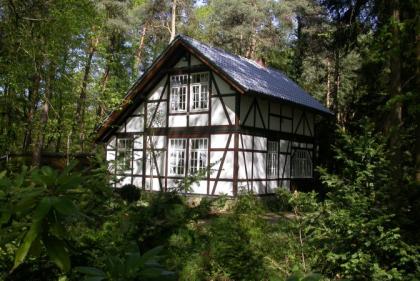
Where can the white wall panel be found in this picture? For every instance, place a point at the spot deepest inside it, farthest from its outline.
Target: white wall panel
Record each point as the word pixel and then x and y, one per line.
pixel 195 61
pixel 244 170
pixel 218 116
pixel 122 180
pixel 260 143
pixel 275 123
pixel 153 184
pixel 199 187
pixel 157 141
pixel 138 142
pixel 271 186
pixel 227 169
pixel 157 90
pixel 199 120
pixel 285 184
pixel 138 181
pixel 224 88
pixel 159 119
pixel 284 146
pixel 111 143
pixel 177 121
pixel 230 107
pixel 263 105
pixel 110 155
pixel 284 166
pixel 137 163
pixel 160 159
pixel 139 110
pixel 286 110
pixel 246 103
pixel 134 125
pixel 259 165
pixel 258 187
pixel 183 62
pixel 220 140
pixel 247 142
pixel 286 125
pixel 223 187
pixel 275 107
pixel 298 126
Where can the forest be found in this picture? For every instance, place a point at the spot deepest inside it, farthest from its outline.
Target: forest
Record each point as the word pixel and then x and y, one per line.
pixel 66 64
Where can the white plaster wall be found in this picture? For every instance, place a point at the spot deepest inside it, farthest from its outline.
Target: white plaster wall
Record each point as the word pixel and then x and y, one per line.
pixel 138 142
pixel 199 187
pixel 258 187
pixel 160 159
pixel 285 184
pixel 135 124
pixel 284 166
pixel 227 169
pixel 139 110
pixel 286 125
pixel 195 61
pixel 177 120
pixel 259 165
pixel 157 141
pixel 247 142
pixel 275 123
pixel 153 184
pixel 285 146
pixel 286 110
pixel 157 90
pixel 271 186
pixel 244 170
pixel 137 162
pixel 246 103
pixel 138 181
pixel 183 62
pixel 260 143
pixel 159 119
pixel 218 114
pixel 298 127
pixel 263 104
pixel 224 88
pixel 111 143
pixel 223 187
pixel 122 180
pixel 220 141
pixel 199 120
pixel 275 107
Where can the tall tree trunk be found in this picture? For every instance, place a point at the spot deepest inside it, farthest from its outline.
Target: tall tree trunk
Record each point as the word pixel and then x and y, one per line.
pixel 328 97
pixel 39 144
pixel 33 101
pixel 394 118
pixel 336 84
pixel 139 51
pixel 173 21
pixel 417 115
pixel 81 103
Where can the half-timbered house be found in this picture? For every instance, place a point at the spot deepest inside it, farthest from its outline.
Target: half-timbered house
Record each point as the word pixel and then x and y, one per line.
pixel 198 107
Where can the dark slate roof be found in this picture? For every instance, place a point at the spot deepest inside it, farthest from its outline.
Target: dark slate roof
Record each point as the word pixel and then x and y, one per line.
pixel 254 77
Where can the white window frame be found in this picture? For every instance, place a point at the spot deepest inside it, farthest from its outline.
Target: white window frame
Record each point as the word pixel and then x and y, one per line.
pixel 272 159
pixel 200 89
pixel 198 154
pixel 301 163
pixel 124 150
pixel 177 154
pixel 178 93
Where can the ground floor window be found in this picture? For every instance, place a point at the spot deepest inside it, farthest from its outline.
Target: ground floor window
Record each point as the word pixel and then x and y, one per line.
pixel 177 153
pixel 301 163
pixel 272 159
pixel 124 154
pixel 198 154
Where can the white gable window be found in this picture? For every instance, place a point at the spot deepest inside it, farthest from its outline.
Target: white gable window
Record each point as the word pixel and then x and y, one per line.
pixel 177 153
pixel 272 159
pixel 178 95
pixel 301 164
pixel 199 91
pixel 198 154
pixel 124 154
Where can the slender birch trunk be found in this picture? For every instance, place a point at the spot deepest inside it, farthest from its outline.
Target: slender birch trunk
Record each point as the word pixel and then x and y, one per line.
pixel 173 21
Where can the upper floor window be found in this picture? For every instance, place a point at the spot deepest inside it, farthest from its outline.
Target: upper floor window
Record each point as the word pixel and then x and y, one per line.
pixel 124 154
pixel 200 91
pixel 301 164
pixel 272 159
pixel 178 95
